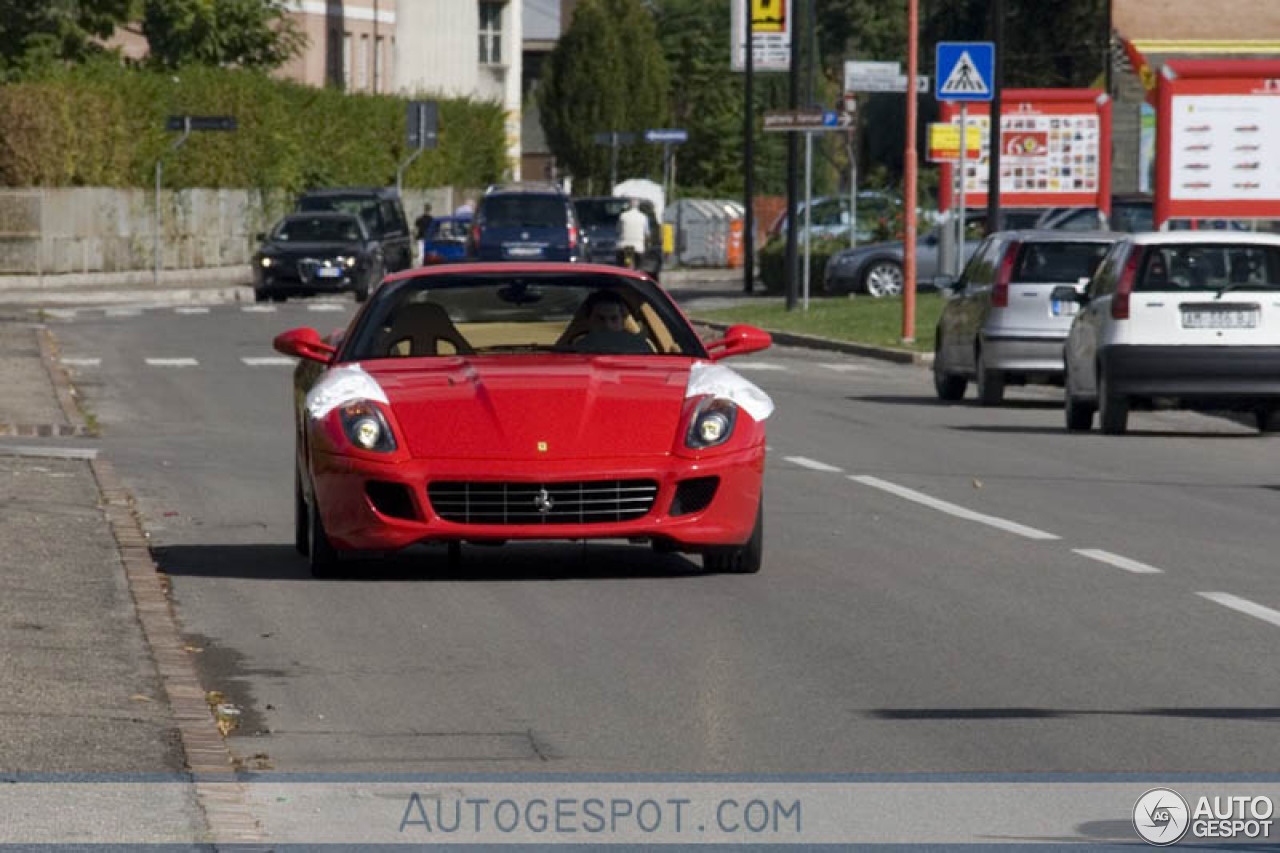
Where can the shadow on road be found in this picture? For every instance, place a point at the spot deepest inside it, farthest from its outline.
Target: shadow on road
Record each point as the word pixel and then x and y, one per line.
pixel 522 562
pixel 934 402
pixel 1015 713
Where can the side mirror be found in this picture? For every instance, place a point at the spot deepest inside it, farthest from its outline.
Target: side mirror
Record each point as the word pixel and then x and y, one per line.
pixel 304 343
pixel 1067 293
pixel 739 340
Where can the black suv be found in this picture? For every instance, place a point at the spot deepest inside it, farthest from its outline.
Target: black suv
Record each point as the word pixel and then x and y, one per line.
pixel 599 218
pixel 534 222
pixel 381 211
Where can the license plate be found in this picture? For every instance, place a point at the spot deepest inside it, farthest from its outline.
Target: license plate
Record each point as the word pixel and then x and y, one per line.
pixel 328 272
pixel 1063 309
pixel 1221 319
pixel 524 251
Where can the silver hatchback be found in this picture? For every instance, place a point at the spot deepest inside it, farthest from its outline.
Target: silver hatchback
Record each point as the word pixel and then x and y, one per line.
pixel 1001 324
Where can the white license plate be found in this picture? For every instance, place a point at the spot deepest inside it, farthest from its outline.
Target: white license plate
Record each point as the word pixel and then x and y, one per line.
pixel 1247 319
pixel 524 251
pixel 1063 309
pixel 328 272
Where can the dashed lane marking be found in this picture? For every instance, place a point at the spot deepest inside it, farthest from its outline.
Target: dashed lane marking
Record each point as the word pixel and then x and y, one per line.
pixel 172 362
pixel 258 309
pixel 326 306
pixel 268 361
pixel 81 362
pixel 846 368
pixel 759 365
pixel 191 310
pixel 1244 605
pixel 952 509
pixel 122 312
pixel 1117 560
pixel 812 464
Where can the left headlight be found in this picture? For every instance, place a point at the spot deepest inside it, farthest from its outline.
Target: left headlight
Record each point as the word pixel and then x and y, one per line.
pixel 366 427
pixel 266 261
pixel 711 424
pixel 347 261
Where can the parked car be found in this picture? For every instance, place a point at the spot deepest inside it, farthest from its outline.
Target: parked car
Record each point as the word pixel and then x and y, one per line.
pixel 381 211
pixel 1002 324
pixel 309 253
pixel 599 220
pixel 526 401
pixel 1188 319
pixel 831 216
pixel 531 222
pixel 876 269
pixel 446 240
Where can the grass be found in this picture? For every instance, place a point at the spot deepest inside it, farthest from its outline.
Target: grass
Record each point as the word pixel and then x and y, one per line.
pixel 862 319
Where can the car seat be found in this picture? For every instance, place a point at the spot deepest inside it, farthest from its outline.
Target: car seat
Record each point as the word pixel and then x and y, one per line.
pixel 423 325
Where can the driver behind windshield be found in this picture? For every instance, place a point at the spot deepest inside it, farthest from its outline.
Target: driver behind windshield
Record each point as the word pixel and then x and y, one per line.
pixel 607 330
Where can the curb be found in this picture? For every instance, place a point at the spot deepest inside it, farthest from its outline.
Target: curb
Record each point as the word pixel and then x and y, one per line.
pixel 152 296
pixel 227 275
pixel 794 339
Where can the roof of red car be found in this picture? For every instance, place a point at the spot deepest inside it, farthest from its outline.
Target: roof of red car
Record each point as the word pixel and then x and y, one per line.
pixel 516 268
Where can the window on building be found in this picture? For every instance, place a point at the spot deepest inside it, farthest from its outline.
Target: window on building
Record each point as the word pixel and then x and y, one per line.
pixel 491 32
pixel 379 68
pixel 362 64
pixel 346 61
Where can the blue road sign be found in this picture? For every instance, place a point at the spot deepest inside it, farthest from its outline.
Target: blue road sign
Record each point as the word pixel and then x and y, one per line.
pixel 966 70
pixel 670 135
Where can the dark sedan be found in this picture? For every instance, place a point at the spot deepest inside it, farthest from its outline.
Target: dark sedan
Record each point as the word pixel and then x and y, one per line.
pixel 599 218
pixel 320 252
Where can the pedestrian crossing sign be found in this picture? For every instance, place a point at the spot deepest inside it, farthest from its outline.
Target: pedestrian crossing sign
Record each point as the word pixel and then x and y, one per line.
pixel 966 70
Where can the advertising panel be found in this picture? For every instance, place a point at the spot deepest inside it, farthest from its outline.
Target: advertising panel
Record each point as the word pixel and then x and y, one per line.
pixel 1055 150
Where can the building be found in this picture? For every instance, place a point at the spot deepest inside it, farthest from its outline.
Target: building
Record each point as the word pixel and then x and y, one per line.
pixel 350 44
pixel 543 25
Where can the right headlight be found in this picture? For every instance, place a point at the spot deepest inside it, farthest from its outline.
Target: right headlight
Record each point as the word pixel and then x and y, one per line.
pixel 711 424
pixel 366 427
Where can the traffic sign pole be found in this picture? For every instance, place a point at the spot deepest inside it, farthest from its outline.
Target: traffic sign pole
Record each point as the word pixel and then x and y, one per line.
pixel 808 211
pixel 964 144
pixel 909 161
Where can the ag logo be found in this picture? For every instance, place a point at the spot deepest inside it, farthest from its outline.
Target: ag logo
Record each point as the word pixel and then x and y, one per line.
pixel 1161 817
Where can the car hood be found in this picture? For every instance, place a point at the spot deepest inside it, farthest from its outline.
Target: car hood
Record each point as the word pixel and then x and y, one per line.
pixel 536 407
pixel 301 250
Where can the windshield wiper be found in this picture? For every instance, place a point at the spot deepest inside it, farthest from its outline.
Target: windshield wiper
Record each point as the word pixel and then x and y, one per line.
pixel 1241 285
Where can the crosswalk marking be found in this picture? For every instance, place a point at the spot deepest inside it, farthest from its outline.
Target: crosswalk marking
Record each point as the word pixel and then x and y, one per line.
pixel 268 361
pixel 172 362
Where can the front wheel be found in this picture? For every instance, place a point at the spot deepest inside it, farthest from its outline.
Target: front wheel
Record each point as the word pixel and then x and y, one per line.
pixel 1267 418
pixel 883 278
pixel 948 386
pixel 990 383
pixel 322 555
pixel 301 521
pixel 743 560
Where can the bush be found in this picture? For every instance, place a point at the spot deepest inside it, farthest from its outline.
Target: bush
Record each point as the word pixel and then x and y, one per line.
pixel 102 124
pixel 772 263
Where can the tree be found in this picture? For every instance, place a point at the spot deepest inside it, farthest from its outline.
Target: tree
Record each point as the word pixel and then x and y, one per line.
pixel 245 33
pixel 606 73
pixel 35 33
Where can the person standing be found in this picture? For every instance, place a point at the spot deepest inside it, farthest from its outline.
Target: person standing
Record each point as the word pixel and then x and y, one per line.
pixel 422 227
pixel 633 235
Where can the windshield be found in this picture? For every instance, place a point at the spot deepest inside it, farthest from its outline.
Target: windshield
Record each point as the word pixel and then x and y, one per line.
pixel 599 212
pixel 448 229
pixel 1209 268
pixel 318 229
pixel 1058 263
pixel 1133 217
pixel 509 314
pixel 523 211
pixel 363 206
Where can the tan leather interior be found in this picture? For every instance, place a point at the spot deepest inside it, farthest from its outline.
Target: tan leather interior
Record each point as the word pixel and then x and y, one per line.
pixel 420 329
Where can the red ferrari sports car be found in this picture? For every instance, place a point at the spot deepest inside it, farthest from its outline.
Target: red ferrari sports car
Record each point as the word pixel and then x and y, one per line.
pixel 518 401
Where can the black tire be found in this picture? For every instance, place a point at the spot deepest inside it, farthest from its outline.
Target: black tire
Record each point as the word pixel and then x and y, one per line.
pixel 948 386
pixel 260 295
pixel 990 382
pixel 1079 415
pixel 742 560
pixel 362 291
pixel 882 278
pixel 1113 409
pixel 279 297
pixel 322 555
pixel 301 522
pixel 1267 418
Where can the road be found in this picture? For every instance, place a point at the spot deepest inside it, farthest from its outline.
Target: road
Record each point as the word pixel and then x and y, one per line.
pixel 946 588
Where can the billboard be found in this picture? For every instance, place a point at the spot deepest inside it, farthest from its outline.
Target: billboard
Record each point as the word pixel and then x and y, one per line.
pixel 771 22
pixel 1055 150
pixel 1218 140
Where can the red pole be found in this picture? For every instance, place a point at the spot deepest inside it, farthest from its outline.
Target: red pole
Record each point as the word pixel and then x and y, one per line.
pixel 909 192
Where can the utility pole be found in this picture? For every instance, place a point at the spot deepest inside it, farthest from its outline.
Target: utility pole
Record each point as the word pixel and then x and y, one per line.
pixel 909 191
pixel 995 124
pixel 748 151
pixel 793 170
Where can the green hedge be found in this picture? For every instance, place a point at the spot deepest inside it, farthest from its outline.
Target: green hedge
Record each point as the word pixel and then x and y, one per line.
pixel 103 125
pixel 772 258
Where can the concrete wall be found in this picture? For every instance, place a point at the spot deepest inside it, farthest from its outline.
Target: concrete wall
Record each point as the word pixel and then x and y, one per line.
pixel 92 229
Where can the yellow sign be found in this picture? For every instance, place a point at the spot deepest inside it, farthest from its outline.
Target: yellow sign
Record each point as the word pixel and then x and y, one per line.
pixel 769 16
pixel 944 142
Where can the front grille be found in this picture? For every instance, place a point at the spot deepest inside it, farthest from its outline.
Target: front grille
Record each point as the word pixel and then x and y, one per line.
pixel 586 502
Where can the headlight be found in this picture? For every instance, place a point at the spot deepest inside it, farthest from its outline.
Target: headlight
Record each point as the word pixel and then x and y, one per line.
pixel 345 260
pixel 266 262
pixel 712 423
pixel 366 428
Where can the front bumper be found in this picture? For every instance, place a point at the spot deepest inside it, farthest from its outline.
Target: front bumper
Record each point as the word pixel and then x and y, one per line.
pixel 287 281
pixel 1015 353
pixel 1193 372
pixel 352 523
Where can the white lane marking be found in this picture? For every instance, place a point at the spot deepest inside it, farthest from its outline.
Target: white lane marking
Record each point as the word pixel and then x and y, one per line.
pixel 812 464
pixel 191 310
pixel 172 362
pixel 123 312
pixel 846 368
pixel 62 313
pixel 1244 605
pixel 1118 561
pixel 81 362
pixel 258 309
pixel 758 365
pixel 268 361
pixel 329 306
pixel 952 509
pixel 36 451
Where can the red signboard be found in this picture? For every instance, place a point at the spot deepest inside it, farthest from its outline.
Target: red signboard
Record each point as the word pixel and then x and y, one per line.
pixel 1218 140
pixel 1055 150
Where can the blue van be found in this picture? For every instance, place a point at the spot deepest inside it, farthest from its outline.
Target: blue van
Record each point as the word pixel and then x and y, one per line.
pixel 533 223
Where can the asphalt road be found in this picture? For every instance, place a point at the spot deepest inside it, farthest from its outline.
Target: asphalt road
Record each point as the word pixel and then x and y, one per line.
pixel 934 614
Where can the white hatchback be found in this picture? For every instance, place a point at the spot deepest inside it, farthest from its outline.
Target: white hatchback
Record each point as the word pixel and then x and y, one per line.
pixel 1186 319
